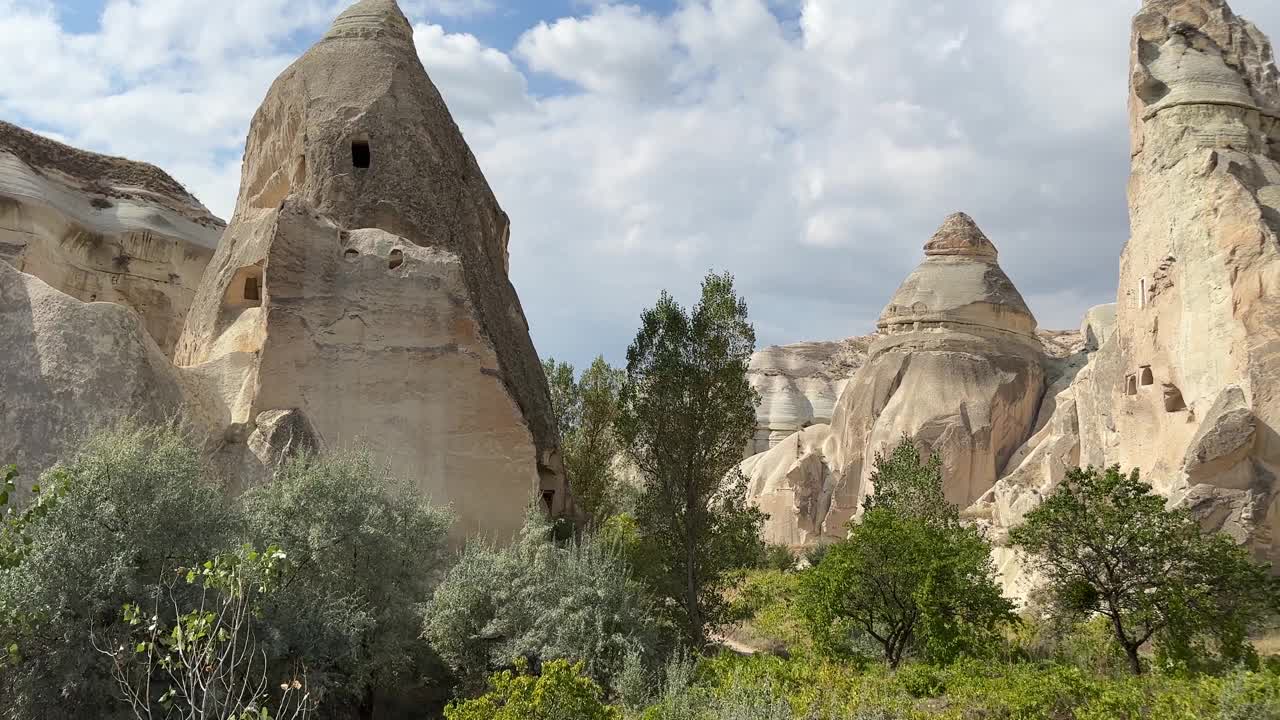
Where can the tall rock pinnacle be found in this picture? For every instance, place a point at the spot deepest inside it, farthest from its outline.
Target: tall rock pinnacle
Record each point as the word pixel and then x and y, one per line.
pixel 959 282
pixel 956 367
pixel 363 281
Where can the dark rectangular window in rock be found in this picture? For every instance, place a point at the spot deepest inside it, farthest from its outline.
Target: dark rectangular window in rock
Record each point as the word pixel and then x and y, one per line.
pixel 361 156
pixel 252 291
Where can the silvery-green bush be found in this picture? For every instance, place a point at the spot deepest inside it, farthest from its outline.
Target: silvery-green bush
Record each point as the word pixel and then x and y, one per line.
pixel 540 600
pixel 366 551
pixel 134 504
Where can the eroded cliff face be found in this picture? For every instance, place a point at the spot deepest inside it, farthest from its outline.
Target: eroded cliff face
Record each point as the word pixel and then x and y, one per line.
pixel 799 385
pixel 1186 385
pixel 957 366
pixel 103 229
pixel 363 284
pixel 70 367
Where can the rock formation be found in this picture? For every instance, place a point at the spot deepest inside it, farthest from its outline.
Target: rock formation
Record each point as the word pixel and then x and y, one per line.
pixel 359 295
pixel 71 366
pixel 363 282
pixel 103 229
pixel 1186 386
pixel 957 366
pixel 799 385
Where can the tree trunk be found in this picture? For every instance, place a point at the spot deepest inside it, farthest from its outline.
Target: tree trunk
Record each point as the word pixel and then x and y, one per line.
pixel 1135 663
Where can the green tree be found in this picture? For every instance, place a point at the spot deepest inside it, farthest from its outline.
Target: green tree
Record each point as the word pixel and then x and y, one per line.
pixel 566 401
pixel 910 577
pixel 130 504
pixel 591 451
pixel 561 692
pixel 365 551
pixel 586 410
pixel 687 409
pixel 1108 546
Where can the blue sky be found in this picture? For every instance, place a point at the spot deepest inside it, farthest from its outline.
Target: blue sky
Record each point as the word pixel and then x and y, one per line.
pixel 810 147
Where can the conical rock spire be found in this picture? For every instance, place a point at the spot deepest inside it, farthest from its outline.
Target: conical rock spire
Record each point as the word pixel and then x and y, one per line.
pixel 959 282
pixel 370 19
pixel 960 235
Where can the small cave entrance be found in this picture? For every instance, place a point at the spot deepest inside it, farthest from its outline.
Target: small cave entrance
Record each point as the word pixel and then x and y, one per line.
pixel 397 259
pixel 246 288
pixel 1131 385
pixel 1147 377
pixel 1173 401
pixel 361 154
pixel 549 501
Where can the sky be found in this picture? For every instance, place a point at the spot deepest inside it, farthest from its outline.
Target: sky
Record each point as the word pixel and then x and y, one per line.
pixel 810 147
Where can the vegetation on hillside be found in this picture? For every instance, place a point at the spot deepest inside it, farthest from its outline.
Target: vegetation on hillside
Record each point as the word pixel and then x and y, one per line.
pixel 132 587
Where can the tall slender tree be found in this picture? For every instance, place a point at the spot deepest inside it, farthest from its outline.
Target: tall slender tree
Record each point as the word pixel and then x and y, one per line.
pixel 586 409
pixel 687 409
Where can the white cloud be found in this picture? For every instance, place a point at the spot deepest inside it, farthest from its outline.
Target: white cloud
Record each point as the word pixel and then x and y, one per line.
pixel 809 146
pixel 617 50
pixel 478 81
pixel 448 8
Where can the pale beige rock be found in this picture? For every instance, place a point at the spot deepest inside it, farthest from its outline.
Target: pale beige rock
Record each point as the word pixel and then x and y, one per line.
pixel 103 229
pixel 70 368
pixel 1186 384
pixel 363 277
pixel 1097 326
pixel 799 385
pixel 957 367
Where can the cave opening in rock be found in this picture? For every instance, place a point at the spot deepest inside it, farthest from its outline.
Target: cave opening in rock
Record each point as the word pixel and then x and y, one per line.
pixel 1131 385
pixel 252 289
pixel 397 259
pixel 1147 377
pixel 549 499
pixel 361 156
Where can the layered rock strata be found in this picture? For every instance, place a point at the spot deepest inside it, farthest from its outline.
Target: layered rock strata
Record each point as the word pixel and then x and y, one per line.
pixel 103 229
pixel 957 367
pixel 359 296
pixel 799 385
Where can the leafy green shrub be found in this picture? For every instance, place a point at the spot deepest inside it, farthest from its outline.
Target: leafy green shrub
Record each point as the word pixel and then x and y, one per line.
pixel 561 692
pixel 203 659
pixel 132 504
pixel 922 681
pixel 777 557
pixel 541 601
pixel 1247 696
pixel 366 552
pixel 765 599
pixel 815 554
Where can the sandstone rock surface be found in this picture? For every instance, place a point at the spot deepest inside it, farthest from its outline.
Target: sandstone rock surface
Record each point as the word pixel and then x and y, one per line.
pixel 69 368
pixel 103 229
pixel 957 367
pixel 799 385
pixel 1185 384
pixel 362 283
